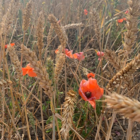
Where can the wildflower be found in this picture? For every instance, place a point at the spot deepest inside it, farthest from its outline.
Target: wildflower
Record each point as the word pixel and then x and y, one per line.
pixel 90 91
pixel 29 70
pixel 126 12
pixel 100 54
pixel 79 56
pixel 67 53
pixel 89 75
pixel 121 20
pixel 85 11
pixel 12 44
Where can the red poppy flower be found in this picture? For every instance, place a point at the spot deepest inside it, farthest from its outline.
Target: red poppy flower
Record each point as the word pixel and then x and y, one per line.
pixel 100 55
pixel 67 53
pixel 121 20
pixel 79 56
pixel 89 75
pixel 12 44
pixel 85 11
pixel 29 70
pixel 90 91
pixel 126 12
pixel 124 19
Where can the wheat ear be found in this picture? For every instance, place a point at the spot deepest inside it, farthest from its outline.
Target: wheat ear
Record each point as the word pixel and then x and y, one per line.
pixel 49 37
pixel 131 24
pixel 68 110
pixel 42 75
pixel 129 108
pixel 113 59
pixel 59 30
pixel 96 21
pixel 27 16
pixel 15 61
pixel 59 66
pixel 5 83
pixel 73 26
pixel 124 73
pixel 40 31
pixel 8 17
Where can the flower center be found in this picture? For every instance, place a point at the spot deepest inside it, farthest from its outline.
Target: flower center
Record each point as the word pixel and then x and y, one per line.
pixel 88 94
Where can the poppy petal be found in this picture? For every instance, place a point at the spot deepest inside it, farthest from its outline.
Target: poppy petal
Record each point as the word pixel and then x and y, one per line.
pixel 31 73
pixel 93 103
pixel 89 75
pixel 56 51
pixel 12 44
pixel 81 93
pixel 6 46
pixel 120 20
pixel 96 91
pixel 24 71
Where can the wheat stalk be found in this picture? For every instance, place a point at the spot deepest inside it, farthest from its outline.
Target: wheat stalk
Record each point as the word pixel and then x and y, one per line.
pixel 5 83
pixel 113 59
pixel 131 25
pixel 68 110
pixel 59 30
pixel 40 31
pixel 96 21
pixel 42 75
pixel 124 73
pixel 49 37
pixel 73 26
pixel 59 66
pixel 27 16
pixel 15 61
pixel 129 108
pixel 8 17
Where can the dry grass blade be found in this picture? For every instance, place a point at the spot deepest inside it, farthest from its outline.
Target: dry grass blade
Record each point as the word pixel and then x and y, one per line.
pixel 42 75
pixel 15 61
pixel 129 108
pixel 113 59
pixel 59 30
pixel 68 113
pixel 40 31
pixel 124 73
pixel 27 16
